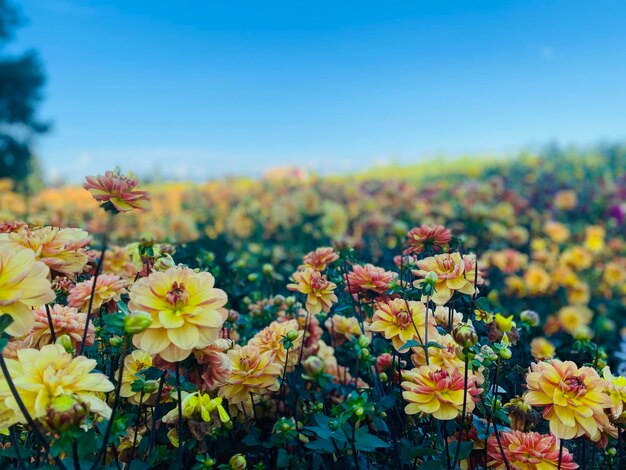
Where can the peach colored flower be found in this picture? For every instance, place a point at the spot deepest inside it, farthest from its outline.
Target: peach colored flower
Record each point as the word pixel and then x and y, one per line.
pixel 61 249
pixel 573 399
pixel 528 451
pixel 187 312
pixel 133 364
pixel 117 190
pixel 320 295
pixel 65 320
pixel 23 284
pixel 401 321
pixel 216 365
pixel 434 237
pixel 438 392
pixel 454 274
pixel 616 389
pixel 119 261
pixel 447 357
pixel 108 288
pixel 368 278
pixel 270 339
pixel 342 328
pixel 252 372
pixel 319 259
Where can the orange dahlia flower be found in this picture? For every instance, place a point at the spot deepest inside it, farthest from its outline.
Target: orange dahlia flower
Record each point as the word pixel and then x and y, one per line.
pixel 528 451
pixel 319 291
pixel 117 190
pixel 454 274
pixel 438 392
pixel 573 399
pixel 23 284
pixel 187 312
pixel 400 321
pixel 270 339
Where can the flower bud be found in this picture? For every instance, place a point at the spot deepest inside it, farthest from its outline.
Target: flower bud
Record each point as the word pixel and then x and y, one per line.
pixel 253 277
pixel 505 353
pixel 364 341
pixel 292 335
pixel 290 301
pixel 237 462
pixel 383 377
pixel 530 317
pixel 268 269
pixel 164 263
pixel 116 341
pixel 136 322
pixel 65 412
pixel 150 386
pixel 233 316
pixel 66 342
pixel 504 324
pixel 431 278
pixel 313 366
pixel 465 335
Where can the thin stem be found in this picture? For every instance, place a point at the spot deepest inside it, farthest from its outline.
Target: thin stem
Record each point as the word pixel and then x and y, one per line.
pixel 93 293
pixel 53 334
pixel 75 455
pixel 34 427
pixel 458 444
pixel 15 444
pixel 132 450
pixel 179 453
pixel 154 414
pixel 282 382
pixel 116 404
pixel 560 455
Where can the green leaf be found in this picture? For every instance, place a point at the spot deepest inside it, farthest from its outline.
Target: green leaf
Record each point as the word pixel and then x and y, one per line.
pixel 411 344
pixel 367 442
pixel 433 465
pixel 5 321
pixel 322 445
pixel 464 450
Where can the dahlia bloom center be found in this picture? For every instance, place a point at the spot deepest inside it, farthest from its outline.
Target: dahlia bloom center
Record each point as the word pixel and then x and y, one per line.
pixel 177 296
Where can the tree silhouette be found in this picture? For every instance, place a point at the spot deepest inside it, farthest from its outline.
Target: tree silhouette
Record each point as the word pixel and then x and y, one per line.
pixel 21 83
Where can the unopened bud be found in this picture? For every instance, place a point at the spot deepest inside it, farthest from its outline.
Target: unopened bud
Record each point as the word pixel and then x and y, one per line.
pixel 364 341
pixel 237 462
pixel 431 278
pixel 465 335
pixel 505 353
pixel 530 317
pixel 164 263
pixel 116 341
pixel 136 322
pixel 66 342
pixel 292 335
pixel 150 386
pixel 314 366
pixel 252 277
pixel 268 269
pixel 65 412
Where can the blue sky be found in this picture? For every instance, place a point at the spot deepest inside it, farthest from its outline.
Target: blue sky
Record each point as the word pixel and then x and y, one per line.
pixel 203 88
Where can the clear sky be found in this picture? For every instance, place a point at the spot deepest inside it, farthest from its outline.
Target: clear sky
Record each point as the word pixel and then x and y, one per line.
pixel 201 88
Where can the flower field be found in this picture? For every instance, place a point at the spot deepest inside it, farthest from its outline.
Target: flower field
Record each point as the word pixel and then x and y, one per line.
pixel 436 317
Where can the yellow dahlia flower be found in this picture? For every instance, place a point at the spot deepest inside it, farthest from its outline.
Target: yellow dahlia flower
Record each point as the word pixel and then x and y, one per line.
pixel 320 295
pixel 400 321
pixel 542 349
pixel 439 392
pixel 447 357
pixel 270 339
pixel 187 312
pixel 41 376
pixel 23 284
pixel 573 399
pixel 573 317
pixel 253 372
pixel 133 364
pixel 199 405
pixel 454 274
pixel 61 249
pixel 616 389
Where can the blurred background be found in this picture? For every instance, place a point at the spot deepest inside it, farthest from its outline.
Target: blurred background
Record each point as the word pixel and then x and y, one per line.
pixel 195 89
